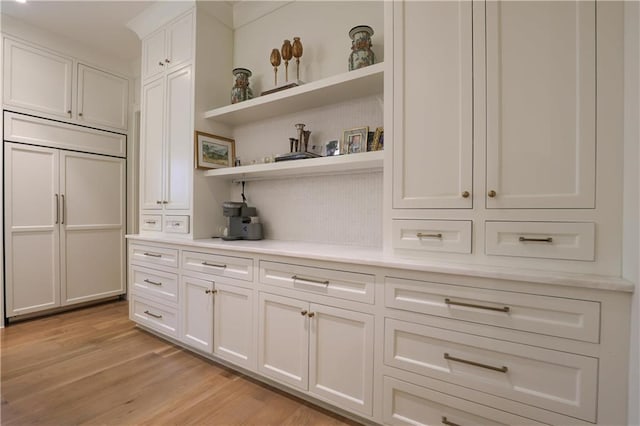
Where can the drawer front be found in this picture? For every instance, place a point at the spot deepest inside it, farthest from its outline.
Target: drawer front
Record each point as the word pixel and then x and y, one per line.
pixel 328 282
pixel 151 282
pixel 225 266
pixel 151 222
pixel 408 404
pixel 552 380
pixel 449 236
pixel 176 224
pixel 552 316
pixel 149 255
pixel 155 315
pixel 546 240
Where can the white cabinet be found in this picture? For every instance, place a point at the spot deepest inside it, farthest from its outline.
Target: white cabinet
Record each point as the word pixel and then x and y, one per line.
pixel 541 104
pixel 64 227
pixel 432 105
pixel 325 350
pixel 37 79
pixel 168 48
pixel 196 313
pixel 103 98
pixel 166 142
pixel 42 81
pixel 233 327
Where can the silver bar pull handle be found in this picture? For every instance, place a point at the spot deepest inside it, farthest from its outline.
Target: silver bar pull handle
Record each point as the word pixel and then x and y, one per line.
pixel 150 222
pixel 152 254
pixel 502 369
pixel 153 315
pixel 421 235
pixel 62 219
pixel 213 265
pixel 57 209
pixel 536 240
pixel 152 282
pixel 310 280
pixel 472 305
pixel 448 423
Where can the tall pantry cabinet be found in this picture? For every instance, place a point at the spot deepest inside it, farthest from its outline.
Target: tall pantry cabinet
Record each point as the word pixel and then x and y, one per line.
pixel 169 117
pixel 494 133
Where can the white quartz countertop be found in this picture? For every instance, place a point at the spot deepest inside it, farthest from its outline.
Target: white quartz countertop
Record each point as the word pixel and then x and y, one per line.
pixel 375 257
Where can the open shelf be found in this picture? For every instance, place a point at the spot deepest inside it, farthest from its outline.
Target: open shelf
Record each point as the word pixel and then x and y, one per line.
pixel 342 87
pixel 352 163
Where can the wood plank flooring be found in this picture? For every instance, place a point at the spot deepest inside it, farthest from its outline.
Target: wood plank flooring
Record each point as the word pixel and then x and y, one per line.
pixel 93 366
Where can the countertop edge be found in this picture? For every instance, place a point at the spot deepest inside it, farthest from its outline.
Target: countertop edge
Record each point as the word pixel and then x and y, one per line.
pixel 370 256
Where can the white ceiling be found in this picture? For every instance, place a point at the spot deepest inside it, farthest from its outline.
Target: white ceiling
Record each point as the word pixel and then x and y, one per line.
pixel 100 24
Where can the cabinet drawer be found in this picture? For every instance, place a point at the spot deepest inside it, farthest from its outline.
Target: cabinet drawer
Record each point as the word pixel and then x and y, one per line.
pixel 176 224
pixel 155 315
pixel 151 222
pixel 151 282
pixel 226 266
pixel 553 316
pixel 340 284
pixel 149 255
pixel 552 380
pixel 408 404
pixel 547 240
pixel 449 236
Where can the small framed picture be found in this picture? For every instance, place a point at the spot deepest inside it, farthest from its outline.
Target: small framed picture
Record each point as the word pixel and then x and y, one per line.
pixel 355 140
pixel 378 140
pixel 214 152
pixel 331 148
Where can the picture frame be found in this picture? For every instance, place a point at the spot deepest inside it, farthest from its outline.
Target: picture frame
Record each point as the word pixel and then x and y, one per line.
pixel 355 140
pixel 213 151
pixel 331 148
pixel 378 139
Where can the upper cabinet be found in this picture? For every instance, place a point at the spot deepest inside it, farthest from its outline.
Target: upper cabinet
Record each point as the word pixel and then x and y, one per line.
pixel 541 104
pixel 102 98
pixel 43 82
pixel 432 106
pixel 168 48
pixel 37 79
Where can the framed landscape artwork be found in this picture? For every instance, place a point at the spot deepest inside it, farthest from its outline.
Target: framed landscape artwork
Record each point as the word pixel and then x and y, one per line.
pixel 213 152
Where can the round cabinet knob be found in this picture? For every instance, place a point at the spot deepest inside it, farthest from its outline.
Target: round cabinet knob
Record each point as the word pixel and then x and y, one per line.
pixel 167 61
pixel 158 202
pixel 311 314
pixel 161 63
pixel 492 194
pixel 80 114
pixel 465 194
pixel 303 313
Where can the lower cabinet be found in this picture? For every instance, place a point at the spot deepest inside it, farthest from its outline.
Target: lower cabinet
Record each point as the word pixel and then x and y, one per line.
pixel 196 300
pixel 409 404
pixel 233 334
pixel 325 350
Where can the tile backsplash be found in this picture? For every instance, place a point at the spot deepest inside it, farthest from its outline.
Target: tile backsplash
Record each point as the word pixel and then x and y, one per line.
pixel 337 209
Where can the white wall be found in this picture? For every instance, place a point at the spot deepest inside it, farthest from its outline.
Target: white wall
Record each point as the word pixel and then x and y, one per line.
pixel 323 28
pixel 631 211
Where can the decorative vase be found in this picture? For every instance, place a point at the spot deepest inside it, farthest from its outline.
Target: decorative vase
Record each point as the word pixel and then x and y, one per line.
pixel 361 53
pixel 241 90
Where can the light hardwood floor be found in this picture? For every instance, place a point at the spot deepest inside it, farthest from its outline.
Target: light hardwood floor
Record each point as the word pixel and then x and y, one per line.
pixel 93 366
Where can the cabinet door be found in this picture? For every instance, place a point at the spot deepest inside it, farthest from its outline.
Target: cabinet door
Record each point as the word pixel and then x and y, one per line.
pixel 233 324
pixel 180 42
pixel 541 111
pixel 31 203
pixel 283 340
pixel 432 105
pixel 153 55
pixel 196 313
pixel 151 145
pixel 341 357
pixel 37 79
pixel 179 132
pixel 92 226
pixel 102 98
